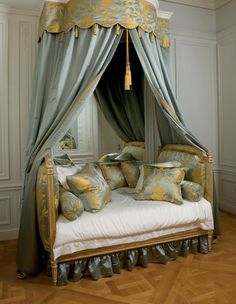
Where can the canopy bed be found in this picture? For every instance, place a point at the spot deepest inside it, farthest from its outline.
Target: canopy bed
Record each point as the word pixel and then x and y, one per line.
pixel 80 43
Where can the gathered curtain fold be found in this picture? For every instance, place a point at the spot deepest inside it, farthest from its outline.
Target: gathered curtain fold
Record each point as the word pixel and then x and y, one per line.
pixel 124 110
pixel 66 75
pixel 171 126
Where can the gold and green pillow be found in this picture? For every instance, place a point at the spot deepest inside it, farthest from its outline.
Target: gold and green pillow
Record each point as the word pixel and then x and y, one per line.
pixel 169 164
pixel 90 187
pixel 124 156
pixel 192 191
pixel 196 168
pixel 64 171
pixel 113 175
pixel 136 149
pixel 63 160
pixel 108 157
pixel 131 172
pixel 71 206
pixel 162 184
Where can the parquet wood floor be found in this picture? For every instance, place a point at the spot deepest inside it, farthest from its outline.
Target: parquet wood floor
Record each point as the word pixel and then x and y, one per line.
pixel 196 279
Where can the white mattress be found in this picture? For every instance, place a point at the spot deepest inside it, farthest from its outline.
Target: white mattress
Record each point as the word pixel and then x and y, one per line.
pixel 125 220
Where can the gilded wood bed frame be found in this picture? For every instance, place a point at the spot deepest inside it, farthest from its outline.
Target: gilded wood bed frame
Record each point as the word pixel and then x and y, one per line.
pixel 205 158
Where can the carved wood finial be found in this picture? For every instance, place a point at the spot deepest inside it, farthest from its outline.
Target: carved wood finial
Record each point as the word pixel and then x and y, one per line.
pixel 210 157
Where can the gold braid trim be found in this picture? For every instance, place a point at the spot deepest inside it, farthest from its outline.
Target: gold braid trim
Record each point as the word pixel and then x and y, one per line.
pixel 168 107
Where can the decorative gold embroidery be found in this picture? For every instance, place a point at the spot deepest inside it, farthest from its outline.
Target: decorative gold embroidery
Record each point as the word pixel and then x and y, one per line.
pixel 62 17
pixel 163 32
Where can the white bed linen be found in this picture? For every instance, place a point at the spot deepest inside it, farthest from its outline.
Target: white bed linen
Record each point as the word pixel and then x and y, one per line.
pixel 125 220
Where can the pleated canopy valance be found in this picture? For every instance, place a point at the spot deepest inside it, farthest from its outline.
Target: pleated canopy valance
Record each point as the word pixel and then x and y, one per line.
pixel 63 15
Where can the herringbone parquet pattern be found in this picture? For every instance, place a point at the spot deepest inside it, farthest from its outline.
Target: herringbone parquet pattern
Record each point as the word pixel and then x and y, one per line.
pixel 197 279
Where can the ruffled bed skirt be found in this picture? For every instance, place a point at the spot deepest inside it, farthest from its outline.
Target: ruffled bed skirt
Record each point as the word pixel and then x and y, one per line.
pixel 107 265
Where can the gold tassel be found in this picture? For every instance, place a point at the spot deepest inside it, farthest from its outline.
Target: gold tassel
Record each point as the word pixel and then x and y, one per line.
pixel 76 31
pixel 95 29
pixel 152 37
pixel 165 42
pixel 128 76
pixel 128 79
pixel 62 37
pixel 139 33
pixel 117 29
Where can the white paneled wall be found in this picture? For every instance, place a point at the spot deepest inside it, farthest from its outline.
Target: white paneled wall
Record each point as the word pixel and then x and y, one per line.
pixel 4 126
pixel 17 56
pixel 227 116
pixel 196 88
pixel 86 129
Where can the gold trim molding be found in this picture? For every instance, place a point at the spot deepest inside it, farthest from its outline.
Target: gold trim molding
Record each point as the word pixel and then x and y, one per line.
pixel 59 17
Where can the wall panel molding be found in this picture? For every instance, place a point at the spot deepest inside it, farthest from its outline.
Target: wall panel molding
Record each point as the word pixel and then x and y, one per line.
pixel 227 95
pixel 192 34
pixel 221 3
pixel 4 118
pixel 226 35
pixel 196 89
pixel 9 234
pixel 228 193
pixel 5 211
pixel 17 56
pixel 11 187
pixel 207 4
pixel 5 9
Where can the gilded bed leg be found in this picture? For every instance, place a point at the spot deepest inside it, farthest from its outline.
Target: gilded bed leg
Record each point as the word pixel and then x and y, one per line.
pixel 54 272
pixel 210 235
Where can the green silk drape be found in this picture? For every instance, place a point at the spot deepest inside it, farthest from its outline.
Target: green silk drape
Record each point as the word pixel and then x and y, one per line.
pixel 66 74
pixel 124 110
pixel 171 125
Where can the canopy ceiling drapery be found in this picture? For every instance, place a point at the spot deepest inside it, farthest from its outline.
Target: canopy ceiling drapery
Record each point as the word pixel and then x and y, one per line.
pixel 78 41
pixel 62 15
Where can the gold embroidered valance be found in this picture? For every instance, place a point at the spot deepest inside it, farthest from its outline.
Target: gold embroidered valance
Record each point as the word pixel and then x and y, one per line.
pixel 59 17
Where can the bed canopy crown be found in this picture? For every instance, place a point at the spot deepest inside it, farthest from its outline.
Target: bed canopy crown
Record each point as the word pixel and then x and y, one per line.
pixel 64 15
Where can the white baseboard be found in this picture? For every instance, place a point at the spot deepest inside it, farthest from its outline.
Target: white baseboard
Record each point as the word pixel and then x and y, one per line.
pixel 11 234
pixel 228 207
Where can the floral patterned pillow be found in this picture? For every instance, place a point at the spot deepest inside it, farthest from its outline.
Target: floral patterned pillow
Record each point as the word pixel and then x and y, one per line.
pixel 131 171
pixel 71 205
pixel 192 191
pixel 113 175
pixel 90 187
pixel 162 184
